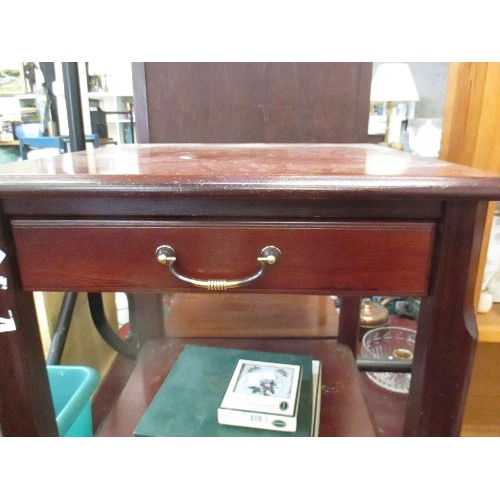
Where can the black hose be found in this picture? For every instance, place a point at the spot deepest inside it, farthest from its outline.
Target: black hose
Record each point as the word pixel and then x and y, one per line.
pixel 62 327
pixel 127 347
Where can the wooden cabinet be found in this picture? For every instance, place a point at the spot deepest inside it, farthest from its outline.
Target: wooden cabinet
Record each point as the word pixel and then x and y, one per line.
pixel 471 128
pixel 252 102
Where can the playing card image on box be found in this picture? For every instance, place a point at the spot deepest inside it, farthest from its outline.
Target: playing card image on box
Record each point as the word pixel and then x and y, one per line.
pixel 262 395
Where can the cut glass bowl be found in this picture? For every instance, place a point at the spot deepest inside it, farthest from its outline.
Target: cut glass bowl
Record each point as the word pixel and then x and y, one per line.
pixel 387 343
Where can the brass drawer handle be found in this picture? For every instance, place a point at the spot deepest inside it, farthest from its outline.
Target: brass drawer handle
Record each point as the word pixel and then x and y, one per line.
pixel 269 255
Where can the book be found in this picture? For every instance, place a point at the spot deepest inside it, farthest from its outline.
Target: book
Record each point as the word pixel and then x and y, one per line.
pixel 316 374
pixel 186 403
pixel 262 395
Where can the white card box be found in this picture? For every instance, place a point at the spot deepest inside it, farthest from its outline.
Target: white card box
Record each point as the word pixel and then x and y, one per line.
pixel 262 395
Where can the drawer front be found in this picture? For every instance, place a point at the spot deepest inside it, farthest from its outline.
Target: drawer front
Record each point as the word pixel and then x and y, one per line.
pixel 368 258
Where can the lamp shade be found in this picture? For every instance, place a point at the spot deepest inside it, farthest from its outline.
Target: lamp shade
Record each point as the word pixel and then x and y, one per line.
pixel 393 82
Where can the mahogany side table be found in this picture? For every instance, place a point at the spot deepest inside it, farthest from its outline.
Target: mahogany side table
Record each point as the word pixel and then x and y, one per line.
pixel 347 220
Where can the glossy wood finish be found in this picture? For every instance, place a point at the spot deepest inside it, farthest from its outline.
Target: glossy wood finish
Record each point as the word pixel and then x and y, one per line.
pixel 447 331
pixel 256 316
pixel 251 315
pixel 247 171
pixel 349 322
pixel 244 315
pixel 25 403
pixel 289 185
pixel 471 125
pixel 327 258
pixel 343 408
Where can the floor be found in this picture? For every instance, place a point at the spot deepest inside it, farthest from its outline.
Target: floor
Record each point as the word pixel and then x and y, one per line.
pixel 482 411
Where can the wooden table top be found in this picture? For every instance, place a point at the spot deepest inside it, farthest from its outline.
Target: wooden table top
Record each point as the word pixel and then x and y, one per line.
pixel 248 170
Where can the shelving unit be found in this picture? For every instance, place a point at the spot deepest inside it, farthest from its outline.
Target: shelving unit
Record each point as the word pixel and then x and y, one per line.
pixel 9 107
pixel 116 100
pixel 116 107
pixel 28 110
pixel 11 110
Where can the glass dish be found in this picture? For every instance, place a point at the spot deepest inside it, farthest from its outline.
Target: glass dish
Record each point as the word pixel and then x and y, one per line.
pixel 386 343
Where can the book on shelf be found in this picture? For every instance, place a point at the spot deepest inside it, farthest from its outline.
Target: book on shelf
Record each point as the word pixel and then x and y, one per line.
pixel 188 401
pixel 316 411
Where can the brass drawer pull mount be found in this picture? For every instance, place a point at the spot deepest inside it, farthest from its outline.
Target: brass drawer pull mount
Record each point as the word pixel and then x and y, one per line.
pixel 269 255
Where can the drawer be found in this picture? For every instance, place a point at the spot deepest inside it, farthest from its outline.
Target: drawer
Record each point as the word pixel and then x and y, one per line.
pixel 91 255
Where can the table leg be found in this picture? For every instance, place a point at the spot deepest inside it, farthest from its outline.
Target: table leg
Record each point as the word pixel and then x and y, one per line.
pixel 25 400
pixel 447 333
pixel 349 322
pixel 147 320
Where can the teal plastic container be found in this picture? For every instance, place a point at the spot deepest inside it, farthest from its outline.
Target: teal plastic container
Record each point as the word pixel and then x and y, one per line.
pixel 72 388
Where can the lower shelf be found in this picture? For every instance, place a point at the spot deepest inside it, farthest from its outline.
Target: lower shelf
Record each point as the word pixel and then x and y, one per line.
pixel 284 316
pixel 343 407
pixel 289 321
